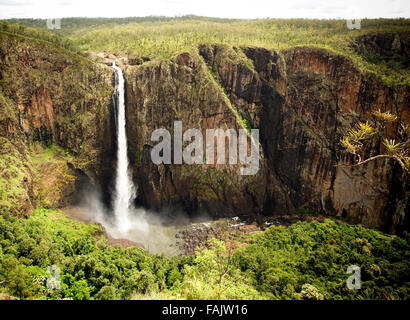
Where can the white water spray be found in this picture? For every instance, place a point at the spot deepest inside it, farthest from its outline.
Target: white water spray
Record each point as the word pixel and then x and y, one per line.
pixel 124 188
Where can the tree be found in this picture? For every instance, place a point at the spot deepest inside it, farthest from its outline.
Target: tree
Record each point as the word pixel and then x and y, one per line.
pixel 4 26
pixel 107 293
pixel 209 276
pixel 362 133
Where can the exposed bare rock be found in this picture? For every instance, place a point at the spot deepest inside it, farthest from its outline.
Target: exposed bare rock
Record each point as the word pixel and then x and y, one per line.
pixel 301 100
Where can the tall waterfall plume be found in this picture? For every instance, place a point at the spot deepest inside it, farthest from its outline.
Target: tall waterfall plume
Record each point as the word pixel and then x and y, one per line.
pixel 124 188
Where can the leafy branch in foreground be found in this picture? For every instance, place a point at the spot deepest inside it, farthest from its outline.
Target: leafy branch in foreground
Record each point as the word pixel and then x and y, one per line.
pixel 357 137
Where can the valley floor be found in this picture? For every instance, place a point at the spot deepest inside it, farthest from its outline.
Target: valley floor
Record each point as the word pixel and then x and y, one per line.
pixel 307 260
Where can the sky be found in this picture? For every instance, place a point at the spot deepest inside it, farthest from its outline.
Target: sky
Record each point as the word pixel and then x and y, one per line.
pixel 240 9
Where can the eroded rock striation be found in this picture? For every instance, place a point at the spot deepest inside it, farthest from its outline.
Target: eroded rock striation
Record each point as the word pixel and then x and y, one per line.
pixel 302 100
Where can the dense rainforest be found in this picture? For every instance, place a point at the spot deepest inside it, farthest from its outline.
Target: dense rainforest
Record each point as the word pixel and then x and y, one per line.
pixel 307 85
pixel 303 261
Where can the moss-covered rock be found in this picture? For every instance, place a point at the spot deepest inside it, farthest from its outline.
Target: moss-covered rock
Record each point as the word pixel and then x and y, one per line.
pixel 16 178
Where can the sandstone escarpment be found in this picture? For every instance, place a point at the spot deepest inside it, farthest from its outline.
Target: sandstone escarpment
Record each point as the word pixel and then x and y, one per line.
pixel 302 100
pixel 387 46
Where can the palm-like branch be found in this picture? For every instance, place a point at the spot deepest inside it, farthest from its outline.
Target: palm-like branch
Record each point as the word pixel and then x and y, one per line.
pixel 384 116
pixel 350 147
pixel 394 148
pixel 353 142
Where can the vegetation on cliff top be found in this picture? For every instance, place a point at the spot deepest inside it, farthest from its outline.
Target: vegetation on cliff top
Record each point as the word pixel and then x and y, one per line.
pixel 161 37
pixel 37 34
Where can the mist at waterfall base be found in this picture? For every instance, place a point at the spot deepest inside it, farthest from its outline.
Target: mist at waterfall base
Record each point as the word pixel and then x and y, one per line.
pixel 125 221
pixel 149 229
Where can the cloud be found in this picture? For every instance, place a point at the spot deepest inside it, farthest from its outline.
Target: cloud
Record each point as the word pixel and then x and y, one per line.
pixel 14 3
pixel 305 6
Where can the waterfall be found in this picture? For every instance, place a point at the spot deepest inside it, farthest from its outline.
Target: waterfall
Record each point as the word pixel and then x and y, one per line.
pixel 124 188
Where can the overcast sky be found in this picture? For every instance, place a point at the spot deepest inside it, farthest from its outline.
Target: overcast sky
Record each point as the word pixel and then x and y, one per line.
pixel 212 8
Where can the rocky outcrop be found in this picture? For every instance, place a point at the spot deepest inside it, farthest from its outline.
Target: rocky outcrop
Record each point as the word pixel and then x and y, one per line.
pixel 327 89
pixel 385 46
pixel 159 93
pixel 302 100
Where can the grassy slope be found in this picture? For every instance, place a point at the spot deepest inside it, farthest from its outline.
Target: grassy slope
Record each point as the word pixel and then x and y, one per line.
pixel 15 177
pixel 33 177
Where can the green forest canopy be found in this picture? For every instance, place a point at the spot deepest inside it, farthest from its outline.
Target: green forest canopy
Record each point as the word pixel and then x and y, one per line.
pixel 307 260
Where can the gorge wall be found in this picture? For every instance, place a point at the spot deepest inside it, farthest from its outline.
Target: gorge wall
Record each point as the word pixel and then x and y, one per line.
pixel 302 100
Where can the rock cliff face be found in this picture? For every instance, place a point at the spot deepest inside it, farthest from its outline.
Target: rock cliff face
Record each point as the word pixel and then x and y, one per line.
pixel 386 46
pixel 327 89
pixel 55 97
pixel 302 100
pixel 159 93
